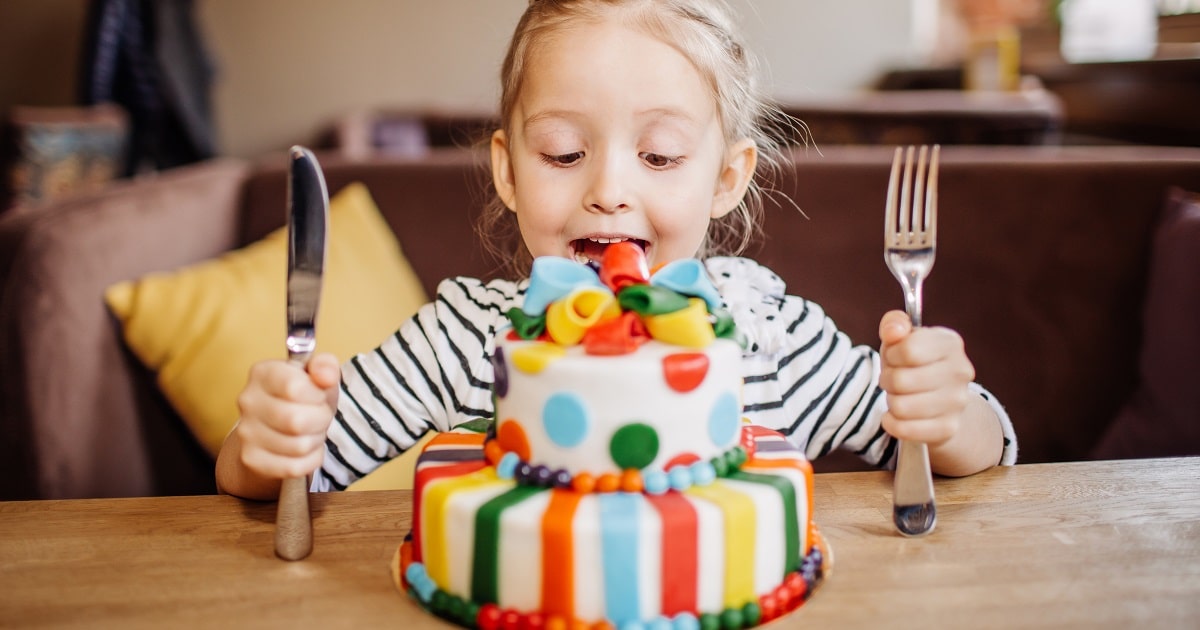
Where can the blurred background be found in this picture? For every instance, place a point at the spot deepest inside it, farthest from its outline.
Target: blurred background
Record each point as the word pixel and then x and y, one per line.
pixel 199 78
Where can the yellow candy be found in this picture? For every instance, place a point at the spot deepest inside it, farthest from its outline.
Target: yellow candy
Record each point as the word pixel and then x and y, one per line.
pixel 534 358
pixel 569 318
pixel 688 327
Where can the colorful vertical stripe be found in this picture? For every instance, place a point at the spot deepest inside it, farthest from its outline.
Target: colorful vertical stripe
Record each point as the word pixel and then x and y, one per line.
pixel 740 528
pixel 795 467
pixel 791 522
pixel 433 525
pixel 680 552
pixel 558 553
pixel 446 455
pixel 485 569
pixel 619 546
pixel 460 529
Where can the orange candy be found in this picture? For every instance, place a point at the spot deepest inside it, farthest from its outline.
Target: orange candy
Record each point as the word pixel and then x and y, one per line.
pixel 608 482
pixel 631 481
pixel 583 483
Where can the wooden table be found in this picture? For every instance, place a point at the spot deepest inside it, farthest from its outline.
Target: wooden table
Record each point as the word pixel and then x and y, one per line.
pixel 1101 544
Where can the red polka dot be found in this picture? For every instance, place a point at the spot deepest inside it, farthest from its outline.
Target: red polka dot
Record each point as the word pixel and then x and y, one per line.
pixel 685 371
pixel 511 438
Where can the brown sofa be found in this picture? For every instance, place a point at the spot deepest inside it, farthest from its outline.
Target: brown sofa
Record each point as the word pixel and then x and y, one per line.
pixel 1042 265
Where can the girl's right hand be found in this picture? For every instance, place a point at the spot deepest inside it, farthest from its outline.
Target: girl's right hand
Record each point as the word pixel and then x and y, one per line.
pixel 285 413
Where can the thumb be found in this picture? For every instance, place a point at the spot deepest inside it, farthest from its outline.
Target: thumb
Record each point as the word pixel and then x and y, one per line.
pixel 894 326
pixel 324 370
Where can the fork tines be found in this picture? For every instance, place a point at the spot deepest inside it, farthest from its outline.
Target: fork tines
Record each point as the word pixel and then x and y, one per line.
pixel 907 226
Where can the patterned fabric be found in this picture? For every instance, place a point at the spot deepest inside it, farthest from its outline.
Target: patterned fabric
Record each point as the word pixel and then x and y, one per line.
pixel 60 151
pixel 803 377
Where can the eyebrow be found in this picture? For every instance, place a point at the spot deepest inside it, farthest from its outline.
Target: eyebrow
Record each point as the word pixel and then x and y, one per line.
pixel 657 113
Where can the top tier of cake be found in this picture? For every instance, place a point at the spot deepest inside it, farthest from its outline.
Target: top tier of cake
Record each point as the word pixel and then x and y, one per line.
pixel 617 373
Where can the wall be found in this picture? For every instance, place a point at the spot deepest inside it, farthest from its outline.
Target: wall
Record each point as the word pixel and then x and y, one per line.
pixel 287 66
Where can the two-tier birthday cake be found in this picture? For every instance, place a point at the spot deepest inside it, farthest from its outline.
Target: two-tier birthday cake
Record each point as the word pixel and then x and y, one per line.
pixel 618 485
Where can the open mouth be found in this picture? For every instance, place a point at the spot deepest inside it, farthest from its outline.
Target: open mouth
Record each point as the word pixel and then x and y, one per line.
pixel 592 249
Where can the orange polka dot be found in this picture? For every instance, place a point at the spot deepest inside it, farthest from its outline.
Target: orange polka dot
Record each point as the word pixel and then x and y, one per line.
pixel 512 439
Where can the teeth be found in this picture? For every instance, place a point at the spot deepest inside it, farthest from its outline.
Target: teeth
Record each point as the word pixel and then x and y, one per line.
pixel 600 239
pixel 582 258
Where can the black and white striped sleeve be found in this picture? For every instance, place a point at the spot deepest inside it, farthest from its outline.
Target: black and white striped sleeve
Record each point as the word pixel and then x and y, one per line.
pixel 804 377
pixel 433 373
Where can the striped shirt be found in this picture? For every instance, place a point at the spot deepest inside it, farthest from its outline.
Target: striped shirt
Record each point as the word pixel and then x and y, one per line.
pixel 803 377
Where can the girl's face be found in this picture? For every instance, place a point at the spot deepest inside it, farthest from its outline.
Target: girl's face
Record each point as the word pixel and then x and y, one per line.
pixel 616 136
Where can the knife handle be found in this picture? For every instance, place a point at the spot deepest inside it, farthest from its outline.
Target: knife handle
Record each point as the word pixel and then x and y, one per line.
pixel 293 521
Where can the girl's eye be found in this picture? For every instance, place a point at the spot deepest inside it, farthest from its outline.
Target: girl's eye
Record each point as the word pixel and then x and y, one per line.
pixel 659 161
pixel 566 159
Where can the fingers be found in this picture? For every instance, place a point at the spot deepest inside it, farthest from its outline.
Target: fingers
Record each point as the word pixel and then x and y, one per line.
pixel 925 372
pixel 894 326
pixel 934 431
pixel 325 370
pixel 285 413
pixel 926 346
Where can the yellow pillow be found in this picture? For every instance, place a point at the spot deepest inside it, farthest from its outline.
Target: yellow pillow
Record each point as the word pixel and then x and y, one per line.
pixel 201 328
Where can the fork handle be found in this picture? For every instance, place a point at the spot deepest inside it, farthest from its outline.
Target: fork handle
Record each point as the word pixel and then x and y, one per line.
pixel 912 300
pixel 914 510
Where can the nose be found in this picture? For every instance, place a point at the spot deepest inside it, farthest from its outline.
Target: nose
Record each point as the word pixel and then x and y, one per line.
pixel 608 190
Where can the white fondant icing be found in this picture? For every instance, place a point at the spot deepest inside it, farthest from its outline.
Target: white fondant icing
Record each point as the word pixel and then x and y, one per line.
pixel 710 596
pixel 800 483
pixel 649 560
pixel 589 578
pixel 620 390
pixel 460 532
pixel 519 583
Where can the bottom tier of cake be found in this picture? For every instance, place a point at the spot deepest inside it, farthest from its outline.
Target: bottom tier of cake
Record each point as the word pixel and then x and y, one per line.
pixel 493 549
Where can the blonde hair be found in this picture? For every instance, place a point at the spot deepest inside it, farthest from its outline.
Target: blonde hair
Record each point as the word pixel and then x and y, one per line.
pixel 705 33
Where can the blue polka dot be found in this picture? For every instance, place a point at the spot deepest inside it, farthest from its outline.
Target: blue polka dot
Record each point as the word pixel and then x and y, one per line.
pixel 723 421
pixel 566 419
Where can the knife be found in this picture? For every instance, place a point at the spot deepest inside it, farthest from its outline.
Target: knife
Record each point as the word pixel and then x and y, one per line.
pixel 308 218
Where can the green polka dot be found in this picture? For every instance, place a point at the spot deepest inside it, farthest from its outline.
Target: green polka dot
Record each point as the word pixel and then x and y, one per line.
pixel 634 446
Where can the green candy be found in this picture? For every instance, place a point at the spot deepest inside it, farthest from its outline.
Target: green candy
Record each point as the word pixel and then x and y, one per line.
pixel 752 614
pixel 648 299
pixel 709 621
pixel 720 466
pixel 525 325
pixel 732 619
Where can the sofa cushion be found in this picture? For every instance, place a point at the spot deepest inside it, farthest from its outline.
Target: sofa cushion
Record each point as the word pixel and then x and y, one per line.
pixel 200 328
pixel 1163 415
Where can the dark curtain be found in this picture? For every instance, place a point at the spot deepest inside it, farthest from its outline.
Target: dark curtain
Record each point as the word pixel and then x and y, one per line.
pixel 149 57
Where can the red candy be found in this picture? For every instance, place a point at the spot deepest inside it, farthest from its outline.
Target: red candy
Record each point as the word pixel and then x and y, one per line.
pixel 510 620
pixel 488 617
pixel 533 621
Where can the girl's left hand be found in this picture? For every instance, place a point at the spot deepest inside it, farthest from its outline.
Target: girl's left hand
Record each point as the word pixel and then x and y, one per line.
pixel 925 372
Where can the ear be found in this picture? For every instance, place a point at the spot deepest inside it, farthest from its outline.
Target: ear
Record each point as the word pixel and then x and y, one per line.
pixel 735 177
pixel 502 173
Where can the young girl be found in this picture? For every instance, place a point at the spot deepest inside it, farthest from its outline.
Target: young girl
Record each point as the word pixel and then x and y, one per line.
pixel 637 121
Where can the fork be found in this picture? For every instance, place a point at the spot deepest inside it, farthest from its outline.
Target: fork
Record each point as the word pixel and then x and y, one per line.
pixel 909 241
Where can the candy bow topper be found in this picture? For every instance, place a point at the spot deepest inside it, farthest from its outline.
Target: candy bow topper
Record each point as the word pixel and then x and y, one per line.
pixel 615 309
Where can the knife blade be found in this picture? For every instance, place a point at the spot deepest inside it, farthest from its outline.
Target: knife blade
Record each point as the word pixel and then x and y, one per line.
pixel 307 221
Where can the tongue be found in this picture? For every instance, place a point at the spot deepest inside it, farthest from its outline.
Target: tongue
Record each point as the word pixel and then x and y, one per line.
pixel 592 249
